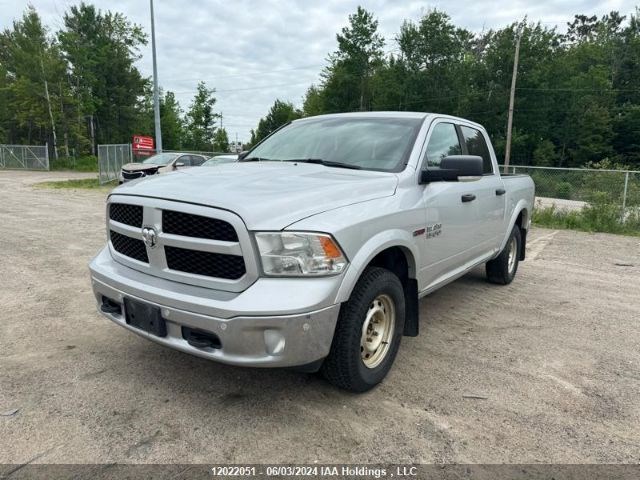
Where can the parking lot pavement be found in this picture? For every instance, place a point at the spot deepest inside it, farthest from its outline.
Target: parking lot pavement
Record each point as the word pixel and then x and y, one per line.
pixel 544 370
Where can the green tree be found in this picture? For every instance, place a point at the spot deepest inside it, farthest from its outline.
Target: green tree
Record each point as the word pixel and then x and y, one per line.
pixel 313 102
pixel 101 50
pixel 534 105
pixel 593 136
pixel 626 140
pixel 5 110
pixel 545 154
pixel 434 64
pixel 32 71
pixel 200 119
pixel 171 122
pixel 627 55
pixel 279 114
pixel 577 101
pixel 220 140
pixel 146 122
pixel 346 82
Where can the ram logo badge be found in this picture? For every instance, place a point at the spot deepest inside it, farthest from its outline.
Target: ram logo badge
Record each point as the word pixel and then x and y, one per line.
pixel 149 236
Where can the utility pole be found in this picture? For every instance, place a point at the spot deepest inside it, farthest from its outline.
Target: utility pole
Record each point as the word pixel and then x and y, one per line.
pixel 512 99
pixel 156 99
pixel 66 129
pixel 93 135
pixel 53 125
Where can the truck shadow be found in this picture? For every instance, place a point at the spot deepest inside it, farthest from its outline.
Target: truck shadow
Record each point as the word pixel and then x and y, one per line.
pixel 228 387
pixel 230 410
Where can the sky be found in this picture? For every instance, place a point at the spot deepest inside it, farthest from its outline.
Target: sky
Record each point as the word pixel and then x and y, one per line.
pixel 253 52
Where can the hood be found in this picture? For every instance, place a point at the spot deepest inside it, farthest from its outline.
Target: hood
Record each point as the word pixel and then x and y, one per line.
pixel 136 167
pixel 267 195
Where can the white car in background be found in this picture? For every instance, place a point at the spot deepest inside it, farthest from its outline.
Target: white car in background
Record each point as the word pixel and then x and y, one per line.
pixel 160 163
pixel 220 159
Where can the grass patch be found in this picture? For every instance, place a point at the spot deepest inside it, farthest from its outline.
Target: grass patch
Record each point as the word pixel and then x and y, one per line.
pixel 597 217
pixel 87 163
pixel 83 183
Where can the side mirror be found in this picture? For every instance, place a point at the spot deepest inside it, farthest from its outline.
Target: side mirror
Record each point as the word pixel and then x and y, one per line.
pixel 179 164
pixel 243 155
pixel 452 168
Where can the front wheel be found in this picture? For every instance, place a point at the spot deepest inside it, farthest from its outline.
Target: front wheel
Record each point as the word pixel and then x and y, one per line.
pixel 503 268
pixel 368 332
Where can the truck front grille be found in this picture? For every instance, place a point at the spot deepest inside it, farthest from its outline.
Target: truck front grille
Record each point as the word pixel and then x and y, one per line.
pixel 129 247
pixel 125 213
pixel 180 223
pixel 229 267
pixel 192 244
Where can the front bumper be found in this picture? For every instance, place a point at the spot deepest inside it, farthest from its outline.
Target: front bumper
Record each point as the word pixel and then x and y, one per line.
pixel 274 323
pixel 130 176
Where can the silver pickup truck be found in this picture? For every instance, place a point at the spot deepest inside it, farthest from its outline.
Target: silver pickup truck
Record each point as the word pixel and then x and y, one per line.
pixel 314 250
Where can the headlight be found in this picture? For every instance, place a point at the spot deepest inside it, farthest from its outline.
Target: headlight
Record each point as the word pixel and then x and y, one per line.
pixel 299 254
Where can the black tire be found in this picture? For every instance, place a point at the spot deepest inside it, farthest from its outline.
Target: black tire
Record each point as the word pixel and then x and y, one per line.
pixel 498 270
pixel 345 367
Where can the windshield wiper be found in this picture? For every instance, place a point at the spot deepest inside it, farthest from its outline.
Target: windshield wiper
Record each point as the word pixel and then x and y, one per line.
pixel 326 163
pixel 254 159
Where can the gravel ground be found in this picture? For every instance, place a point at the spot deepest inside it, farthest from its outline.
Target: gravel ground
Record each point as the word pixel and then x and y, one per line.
pixel 560 204
pixel 555 356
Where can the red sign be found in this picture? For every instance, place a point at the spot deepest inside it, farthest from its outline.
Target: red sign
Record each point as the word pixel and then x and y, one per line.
pixel 142 142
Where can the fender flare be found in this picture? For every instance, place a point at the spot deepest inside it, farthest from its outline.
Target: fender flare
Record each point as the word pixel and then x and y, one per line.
pixel 366 253
pixel 521 206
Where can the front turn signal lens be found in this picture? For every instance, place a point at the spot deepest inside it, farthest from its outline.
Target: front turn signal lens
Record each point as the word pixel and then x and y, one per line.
pixel 331 250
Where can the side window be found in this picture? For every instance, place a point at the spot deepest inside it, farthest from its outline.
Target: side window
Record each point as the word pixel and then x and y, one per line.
pixel 476 145
pixel 186 159
pixel 196 160
pixel 443 142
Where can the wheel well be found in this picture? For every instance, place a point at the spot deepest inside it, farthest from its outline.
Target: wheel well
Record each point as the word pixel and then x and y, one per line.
pixel 394 260
pixel 400 262
pixel 521 218
pixel 520 222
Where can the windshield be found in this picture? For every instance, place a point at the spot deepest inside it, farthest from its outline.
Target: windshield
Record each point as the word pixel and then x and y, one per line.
pixel 369 143
pixel 161 158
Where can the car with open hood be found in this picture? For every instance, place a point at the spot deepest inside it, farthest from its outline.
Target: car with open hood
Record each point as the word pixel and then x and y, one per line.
pixel 160 163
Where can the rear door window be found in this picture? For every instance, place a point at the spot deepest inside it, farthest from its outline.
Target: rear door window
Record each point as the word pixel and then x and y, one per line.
pixel 477 145
pixel 443 142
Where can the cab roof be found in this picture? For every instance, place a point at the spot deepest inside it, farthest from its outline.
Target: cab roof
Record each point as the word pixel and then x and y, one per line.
pixel 390 114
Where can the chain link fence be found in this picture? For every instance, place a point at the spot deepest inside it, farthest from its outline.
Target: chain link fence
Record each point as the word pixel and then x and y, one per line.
pixel 24 157
pixel 574 188
pixel 111 158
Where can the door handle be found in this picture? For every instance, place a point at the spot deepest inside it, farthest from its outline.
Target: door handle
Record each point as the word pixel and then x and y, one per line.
pixel 500 191
pixel 469 197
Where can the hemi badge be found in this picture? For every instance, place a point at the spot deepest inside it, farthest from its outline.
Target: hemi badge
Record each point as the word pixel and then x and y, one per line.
pixel 417 233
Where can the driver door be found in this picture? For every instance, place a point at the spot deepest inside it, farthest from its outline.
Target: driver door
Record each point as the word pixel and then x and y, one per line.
pixel 452 220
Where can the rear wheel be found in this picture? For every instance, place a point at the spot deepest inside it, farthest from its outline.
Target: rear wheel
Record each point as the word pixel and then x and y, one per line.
pixel 503 268
pixel 368 332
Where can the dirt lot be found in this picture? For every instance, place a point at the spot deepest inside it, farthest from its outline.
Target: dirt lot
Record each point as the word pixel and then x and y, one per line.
pixel 557 354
